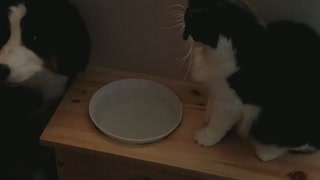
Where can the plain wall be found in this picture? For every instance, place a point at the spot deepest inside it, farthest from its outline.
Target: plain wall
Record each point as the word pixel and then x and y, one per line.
pixel 136 34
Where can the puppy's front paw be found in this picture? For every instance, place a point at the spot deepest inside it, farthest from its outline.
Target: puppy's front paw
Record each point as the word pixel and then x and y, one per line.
pixel 269 152
pixel 204 139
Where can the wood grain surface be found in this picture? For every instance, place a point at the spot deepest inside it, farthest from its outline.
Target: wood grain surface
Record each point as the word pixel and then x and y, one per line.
pixel 71 129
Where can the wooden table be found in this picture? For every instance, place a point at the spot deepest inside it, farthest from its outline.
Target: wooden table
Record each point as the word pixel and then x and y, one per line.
pixel 83 153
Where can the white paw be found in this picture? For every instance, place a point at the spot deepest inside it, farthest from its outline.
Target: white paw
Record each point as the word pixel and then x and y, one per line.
pixel 266 156
pixel 268 153
pixel 202 138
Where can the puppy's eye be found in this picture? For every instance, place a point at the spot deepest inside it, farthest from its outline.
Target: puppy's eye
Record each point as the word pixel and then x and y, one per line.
pixel 35 38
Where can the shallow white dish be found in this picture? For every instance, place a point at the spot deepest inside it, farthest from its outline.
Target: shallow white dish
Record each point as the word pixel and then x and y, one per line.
pixel 135 111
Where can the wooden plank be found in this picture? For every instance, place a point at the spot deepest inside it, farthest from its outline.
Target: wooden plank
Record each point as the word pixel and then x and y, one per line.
pixel 85 166
pixel 71 128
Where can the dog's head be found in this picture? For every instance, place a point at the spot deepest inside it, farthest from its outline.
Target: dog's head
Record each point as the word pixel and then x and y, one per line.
pixel 41 42
pixel 206 20
pixel 18 62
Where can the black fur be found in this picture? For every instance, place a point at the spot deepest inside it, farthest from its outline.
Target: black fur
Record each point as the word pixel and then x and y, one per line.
pixel 278 68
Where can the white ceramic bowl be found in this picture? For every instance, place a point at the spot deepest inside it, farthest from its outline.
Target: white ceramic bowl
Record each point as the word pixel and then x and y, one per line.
pixel 135 111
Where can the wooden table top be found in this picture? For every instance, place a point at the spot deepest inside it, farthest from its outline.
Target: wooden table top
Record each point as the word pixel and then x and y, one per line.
pixel 71 129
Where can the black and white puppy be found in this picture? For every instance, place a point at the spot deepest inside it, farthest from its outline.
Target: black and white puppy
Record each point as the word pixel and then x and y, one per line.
pixel 43 45
pixel 262 77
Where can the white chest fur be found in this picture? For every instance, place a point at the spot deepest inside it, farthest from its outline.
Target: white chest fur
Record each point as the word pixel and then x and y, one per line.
pixel 210 65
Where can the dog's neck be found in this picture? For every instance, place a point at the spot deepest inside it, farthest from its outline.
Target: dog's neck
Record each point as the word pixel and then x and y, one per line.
pixel 49 84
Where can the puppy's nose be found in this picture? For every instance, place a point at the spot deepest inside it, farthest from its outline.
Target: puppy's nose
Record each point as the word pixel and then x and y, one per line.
pixel 4 72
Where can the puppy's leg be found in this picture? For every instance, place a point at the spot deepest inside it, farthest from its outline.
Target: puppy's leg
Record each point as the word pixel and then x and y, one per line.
pixel 250 113
pixel 208 109
pixel 223 114
pixel 269 152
